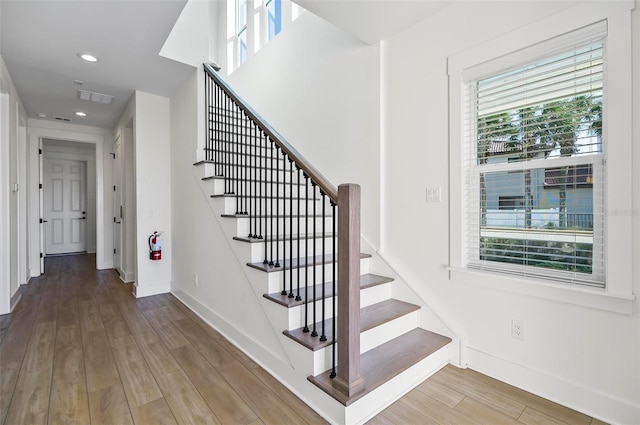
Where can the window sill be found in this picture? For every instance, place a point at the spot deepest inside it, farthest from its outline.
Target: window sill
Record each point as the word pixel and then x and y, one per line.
pixel 570 294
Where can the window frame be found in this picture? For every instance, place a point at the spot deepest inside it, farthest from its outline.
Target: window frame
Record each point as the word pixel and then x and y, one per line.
pixel 556 32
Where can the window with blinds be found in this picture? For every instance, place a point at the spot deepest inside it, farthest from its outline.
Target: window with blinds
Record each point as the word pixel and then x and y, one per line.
pixel 534 168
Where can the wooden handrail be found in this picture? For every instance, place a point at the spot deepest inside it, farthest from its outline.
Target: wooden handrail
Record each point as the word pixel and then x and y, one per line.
pixel 323 183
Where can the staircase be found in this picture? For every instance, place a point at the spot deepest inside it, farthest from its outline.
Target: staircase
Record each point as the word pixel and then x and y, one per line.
pixel 299 237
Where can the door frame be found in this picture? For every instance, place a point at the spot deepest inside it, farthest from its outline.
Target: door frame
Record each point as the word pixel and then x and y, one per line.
pixel 103 201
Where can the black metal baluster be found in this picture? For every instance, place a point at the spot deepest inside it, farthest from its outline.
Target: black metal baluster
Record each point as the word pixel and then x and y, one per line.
pixel 298 298
pixel 278 206
pixel 313 200
pixel 323 337
pixel 241 148
pixel 227 142
pixel 284 229
pixel 306 253
pixel 207 105
pixel 335 266
pixel 219 138
pixel 247 161
pixel 270 235
pixel 236 158
pixel 259 181
pixel 252 192
pixel 291 295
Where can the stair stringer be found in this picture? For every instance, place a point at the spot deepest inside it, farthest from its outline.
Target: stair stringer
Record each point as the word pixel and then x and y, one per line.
pixel 427 317
pixel 292 371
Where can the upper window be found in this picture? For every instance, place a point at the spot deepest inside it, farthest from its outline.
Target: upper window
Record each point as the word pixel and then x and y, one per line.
pixel 534 165
pixel 274 17
pixel 241 30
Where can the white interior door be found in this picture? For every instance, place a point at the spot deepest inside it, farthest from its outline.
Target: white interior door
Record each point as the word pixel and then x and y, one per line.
pixel 64 206
pixel 117 206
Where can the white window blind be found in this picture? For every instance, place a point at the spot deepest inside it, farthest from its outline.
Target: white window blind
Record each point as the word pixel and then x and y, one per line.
pixel 534 159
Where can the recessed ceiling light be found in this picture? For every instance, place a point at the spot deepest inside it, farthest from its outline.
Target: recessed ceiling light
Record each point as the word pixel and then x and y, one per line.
pixel 41 115
pixel 81 114
pixel 87 57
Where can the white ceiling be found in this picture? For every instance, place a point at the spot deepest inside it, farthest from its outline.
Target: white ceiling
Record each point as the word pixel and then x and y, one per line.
pixel 40 40
pixel 374 20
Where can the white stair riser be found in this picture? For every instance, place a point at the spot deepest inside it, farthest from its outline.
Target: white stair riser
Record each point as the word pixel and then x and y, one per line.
pixel 275 279
pixel 276 225
pixel 281 206
pixel 387 331
pixel 262 174
pixel 296 314
pixel 286 247
pixel 263 189
pixel 375 294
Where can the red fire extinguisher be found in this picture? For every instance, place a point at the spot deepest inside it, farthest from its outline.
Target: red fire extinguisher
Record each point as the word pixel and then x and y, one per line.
pixel 155 246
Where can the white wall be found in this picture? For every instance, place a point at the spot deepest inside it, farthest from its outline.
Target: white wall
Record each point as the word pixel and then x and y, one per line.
pixel 320 88
pixel 151 130
pixel 582 357
pixel 13 190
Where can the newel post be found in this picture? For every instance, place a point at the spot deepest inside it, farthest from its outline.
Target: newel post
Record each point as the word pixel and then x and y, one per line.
pixel 348 379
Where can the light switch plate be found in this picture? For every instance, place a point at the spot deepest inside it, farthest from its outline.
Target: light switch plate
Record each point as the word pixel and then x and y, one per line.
pixel 433 194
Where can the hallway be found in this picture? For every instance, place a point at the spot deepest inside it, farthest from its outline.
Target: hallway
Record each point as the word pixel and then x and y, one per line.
pixel 80 349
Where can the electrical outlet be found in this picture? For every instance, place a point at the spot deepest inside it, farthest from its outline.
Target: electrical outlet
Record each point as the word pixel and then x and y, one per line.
pixel 517 329
pixel 195 279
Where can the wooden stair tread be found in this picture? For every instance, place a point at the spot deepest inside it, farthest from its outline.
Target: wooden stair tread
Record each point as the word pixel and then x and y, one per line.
pixel 282 238
pixel 301 184
pixel 366 281
pixel 386 361
pixel 209 161
pixel 273 216
pixel 370 317
pixel 254 196
pixel 294 263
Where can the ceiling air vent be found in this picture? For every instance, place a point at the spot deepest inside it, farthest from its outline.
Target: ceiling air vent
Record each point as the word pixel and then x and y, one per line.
pixel 65 119
pixel 95 97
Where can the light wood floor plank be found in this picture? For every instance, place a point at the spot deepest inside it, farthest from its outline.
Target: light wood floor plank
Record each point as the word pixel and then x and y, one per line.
pixel 30 402
pixel 435 410
pixel 288 398
pixel 156 412
pixel 168 333
pixel 8 378
pixel 108 406
pixel 90 316
pixel 533 417
pixel 400 414
pixel 139 385
pixel 160 361
pixel 482 413
pixel 39 354
pixel 69 403
pixel 207 346
pixel 221 398
pixel 489 397
pixel 267 405
pixel 113 322
pixel 99 364
pixel 185 402
pixel 543 405
pixel 440 392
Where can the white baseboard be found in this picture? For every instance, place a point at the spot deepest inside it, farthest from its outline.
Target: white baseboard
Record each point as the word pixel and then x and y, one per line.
pixel 140 291
pixel 570 394
pixel 127 277
pixel 15 299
